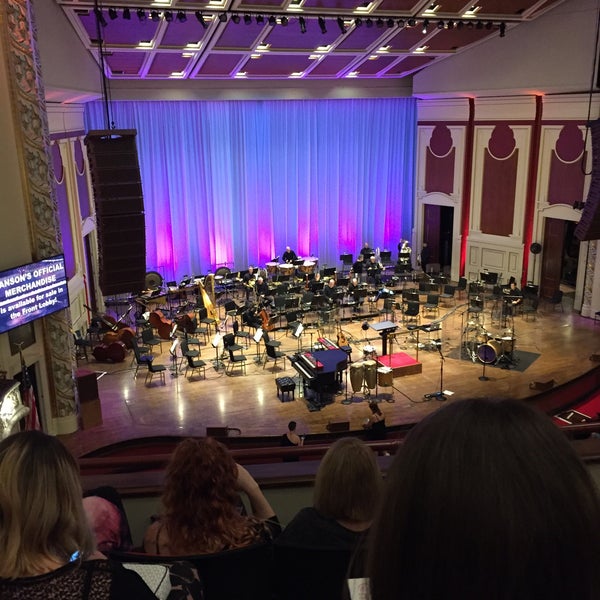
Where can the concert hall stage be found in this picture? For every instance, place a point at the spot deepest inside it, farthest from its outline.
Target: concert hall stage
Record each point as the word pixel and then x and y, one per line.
pixel 401 364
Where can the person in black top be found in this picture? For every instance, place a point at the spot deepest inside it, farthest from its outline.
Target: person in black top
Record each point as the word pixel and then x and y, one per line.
pixel 366 251
pixel 249 280
pixel 291 439
pixel 513 297
pixel 353 288
pixel 289 256
pixel 374 270
pixel 375 424
pixel 358 266
pixel 330 291
pixel 316 284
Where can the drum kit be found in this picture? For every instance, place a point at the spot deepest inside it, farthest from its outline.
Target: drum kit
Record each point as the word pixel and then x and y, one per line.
pixel 487 347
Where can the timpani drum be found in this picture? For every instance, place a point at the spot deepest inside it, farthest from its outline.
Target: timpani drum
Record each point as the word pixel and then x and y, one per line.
pixel 286 269
pixel 357 373
pixel 307 267
pixel 272 268
pixel 371 374
pixel 385 376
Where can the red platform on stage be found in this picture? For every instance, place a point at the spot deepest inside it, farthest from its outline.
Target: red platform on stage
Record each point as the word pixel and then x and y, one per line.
pixel 401 364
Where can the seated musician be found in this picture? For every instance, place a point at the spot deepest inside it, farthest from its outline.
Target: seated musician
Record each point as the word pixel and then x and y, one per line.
pixel 353 288
pixel 374 270
pixel 366 251
pixel 289 256
pixel 316 284
pixel 249 280
pixel 330 291
pixel 251 316
pixel 514 297
pixel 358 266
pixel 261 287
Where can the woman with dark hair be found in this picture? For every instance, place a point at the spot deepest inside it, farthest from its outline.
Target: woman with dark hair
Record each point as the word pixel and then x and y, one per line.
pixel 47 547
pixel 486 499
pixel 201 504
pixel 375 424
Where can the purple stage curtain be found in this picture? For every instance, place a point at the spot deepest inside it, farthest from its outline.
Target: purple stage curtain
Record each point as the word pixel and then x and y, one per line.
pixel 232 183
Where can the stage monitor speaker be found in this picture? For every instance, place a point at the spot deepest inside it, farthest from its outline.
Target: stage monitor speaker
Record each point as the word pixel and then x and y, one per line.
pixel 115 172
pixel 588 227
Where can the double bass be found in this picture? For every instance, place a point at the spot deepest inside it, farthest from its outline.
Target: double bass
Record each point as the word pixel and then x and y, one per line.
pixel 117 330
pixel 162 325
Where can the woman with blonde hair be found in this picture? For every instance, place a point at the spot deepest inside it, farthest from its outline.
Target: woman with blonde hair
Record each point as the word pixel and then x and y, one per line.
pixel 347 490
pixel 47 546
pixel 202 506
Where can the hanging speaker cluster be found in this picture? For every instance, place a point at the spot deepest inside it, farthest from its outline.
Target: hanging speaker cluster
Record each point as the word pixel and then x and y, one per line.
pixel 117 186
pixel 535 248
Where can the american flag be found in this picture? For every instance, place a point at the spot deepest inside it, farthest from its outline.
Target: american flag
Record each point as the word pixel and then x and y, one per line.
pixel 28 398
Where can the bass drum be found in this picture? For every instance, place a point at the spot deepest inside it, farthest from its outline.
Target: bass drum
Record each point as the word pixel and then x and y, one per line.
pixel 490 352
pixel 153 280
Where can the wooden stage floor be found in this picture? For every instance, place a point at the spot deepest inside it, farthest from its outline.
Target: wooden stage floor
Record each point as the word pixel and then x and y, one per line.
pixel 556 345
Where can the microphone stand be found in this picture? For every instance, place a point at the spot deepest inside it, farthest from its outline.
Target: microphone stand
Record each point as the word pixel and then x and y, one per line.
pixel 438 395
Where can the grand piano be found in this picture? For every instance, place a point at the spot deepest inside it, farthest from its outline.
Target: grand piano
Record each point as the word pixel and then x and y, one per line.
pixel 321 371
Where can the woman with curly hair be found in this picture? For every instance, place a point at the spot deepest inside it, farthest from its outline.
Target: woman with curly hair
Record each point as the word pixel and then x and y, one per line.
pixel 202 506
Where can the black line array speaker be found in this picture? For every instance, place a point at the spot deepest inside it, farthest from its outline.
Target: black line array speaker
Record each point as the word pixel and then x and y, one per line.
pixel 588 227
pixel 117 186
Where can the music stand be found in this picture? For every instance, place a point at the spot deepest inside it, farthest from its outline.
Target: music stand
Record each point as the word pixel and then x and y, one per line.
pixel 258 334
pixel 173 353
pixel 215 344
pixel 298 335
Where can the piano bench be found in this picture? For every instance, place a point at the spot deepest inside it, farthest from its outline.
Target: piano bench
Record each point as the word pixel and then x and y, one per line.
pixel 285 385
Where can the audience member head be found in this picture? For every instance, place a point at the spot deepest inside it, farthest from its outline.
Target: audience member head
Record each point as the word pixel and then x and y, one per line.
pixel 42 520
pixel 200 499
pixel 292 426
pixel 486 499
pixel 348 482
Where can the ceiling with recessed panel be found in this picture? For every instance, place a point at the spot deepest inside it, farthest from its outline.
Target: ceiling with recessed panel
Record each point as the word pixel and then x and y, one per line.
pixel 287 39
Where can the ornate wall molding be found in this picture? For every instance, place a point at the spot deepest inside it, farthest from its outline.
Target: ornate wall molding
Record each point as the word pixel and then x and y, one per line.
pixel 33 148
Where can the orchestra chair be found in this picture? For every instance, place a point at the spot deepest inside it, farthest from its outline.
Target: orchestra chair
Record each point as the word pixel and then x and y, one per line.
pixel 149 339
pixel 235 359
pixel 388 308
pixel 279 306
pixel 195 364
pixel 238 574
pixel 448 294
pixel 411 313
pixel 432 304
pixel 153 370
pixel 229 343
pixel 186 353
pixel 141 355
pixel 240 333
pixel 81 345
pixel 292 321
pixel 199 330
pixel 272 353
pixel 529 308
pixel 462 286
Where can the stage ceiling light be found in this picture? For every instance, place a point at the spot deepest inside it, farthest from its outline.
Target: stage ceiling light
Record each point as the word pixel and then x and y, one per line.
pixel 112 13
pixel 236 19
pixel 141 14
pixel 201 19
pixel 322 25
pixel 247 19
pixel 168 16
pixel 181 16
pixel 272 20
pixel 126 14
pixel 100 17
pixel 223 17
pixel 341 25
pixel 302 22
